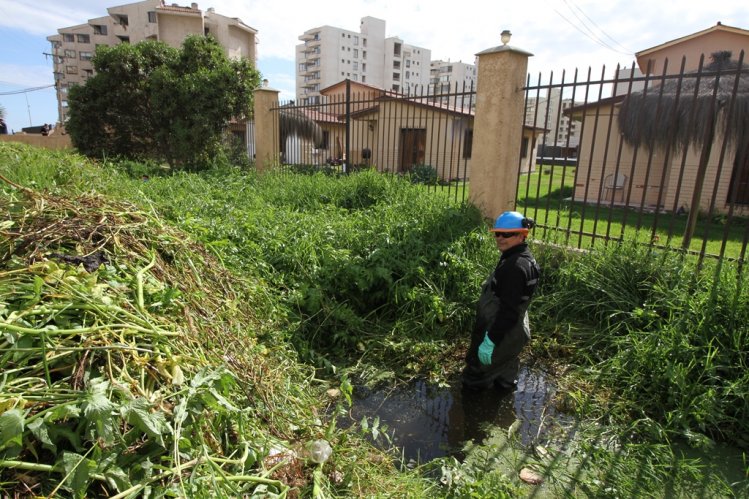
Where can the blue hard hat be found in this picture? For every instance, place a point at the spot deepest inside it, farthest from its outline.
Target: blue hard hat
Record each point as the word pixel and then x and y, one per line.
pixel 511 221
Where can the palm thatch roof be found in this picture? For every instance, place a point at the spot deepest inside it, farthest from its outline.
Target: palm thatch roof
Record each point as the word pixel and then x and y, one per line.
pixel 294 121
pixel 688 109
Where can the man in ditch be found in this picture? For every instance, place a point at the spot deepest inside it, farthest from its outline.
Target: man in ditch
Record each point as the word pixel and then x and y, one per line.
pixel 501 328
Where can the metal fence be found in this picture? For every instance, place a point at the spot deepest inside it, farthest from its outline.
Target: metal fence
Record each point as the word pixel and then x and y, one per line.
pixel 424 135
pixel 660 159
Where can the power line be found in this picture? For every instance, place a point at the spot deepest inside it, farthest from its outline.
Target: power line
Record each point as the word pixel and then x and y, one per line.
pixel 26 90
pixel 589 34
pixel 629 51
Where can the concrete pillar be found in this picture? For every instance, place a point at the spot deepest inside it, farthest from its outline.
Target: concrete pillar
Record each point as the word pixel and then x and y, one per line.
pixel 266 129
pixel 498 129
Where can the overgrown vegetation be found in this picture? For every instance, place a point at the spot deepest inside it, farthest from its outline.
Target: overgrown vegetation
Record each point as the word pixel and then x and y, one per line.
pixel 669 341
pixel 245 285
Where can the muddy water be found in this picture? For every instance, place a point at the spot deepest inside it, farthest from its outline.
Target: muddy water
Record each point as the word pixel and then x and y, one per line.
pixel 427 421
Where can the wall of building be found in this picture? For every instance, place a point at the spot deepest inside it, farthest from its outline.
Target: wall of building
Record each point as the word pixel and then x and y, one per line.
pixel 49 142
pixel 692 49
pixel 641 187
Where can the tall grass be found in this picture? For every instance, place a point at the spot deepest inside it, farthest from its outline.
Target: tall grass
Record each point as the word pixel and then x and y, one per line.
pixel 668 342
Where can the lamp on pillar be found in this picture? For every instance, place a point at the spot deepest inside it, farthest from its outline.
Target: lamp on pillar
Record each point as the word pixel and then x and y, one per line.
pixel 505 37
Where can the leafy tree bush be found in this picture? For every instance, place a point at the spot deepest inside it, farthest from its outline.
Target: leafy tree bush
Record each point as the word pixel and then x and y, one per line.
pixel 152 101
pixel 424 174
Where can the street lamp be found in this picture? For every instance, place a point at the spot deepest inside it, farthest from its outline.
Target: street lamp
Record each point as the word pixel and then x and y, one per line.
pixel 505 37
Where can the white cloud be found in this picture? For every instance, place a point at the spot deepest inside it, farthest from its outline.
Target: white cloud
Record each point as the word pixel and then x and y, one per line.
pixel 26 76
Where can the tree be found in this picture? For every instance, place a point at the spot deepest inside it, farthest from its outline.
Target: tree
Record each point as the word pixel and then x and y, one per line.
pixel 152 101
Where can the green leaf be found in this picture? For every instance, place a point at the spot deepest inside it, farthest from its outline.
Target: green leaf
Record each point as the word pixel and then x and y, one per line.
pixel 98 409
pixel 11 428
pixel 40 430
pixel 77 472
pixel 117 478
pixel 138 413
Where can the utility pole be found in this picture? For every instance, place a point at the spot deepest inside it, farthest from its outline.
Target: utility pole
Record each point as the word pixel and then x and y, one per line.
pixel 58 86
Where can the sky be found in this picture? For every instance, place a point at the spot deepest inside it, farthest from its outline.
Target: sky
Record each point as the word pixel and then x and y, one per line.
pixel 562 35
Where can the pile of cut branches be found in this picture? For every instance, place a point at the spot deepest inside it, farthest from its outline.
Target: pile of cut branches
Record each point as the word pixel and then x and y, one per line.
pixel 129 359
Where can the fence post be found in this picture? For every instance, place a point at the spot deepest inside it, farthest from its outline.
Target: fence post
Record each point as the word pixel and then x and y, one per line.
pixel 266 129
pixel 498 128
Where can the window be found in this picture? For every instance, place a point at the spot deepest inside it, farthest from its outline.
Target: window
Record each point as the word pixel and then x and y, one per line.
pixel 396 88
pixel 302 67
pixel 343 48
pixel 71 70
pixel 100 29
pixel 85 56
pixel 364 42
pixel 343 35
pixel 364 54
pixel 120 19
pixel 408 75
pixel 738 190
pixel 88 73
pixel 356 40
pixel 364 67
pixel 397 50
pixel 70 53
pixel 325 139
pixel 363 79
pixel 83 38
pixel 124 39
pixel 397 76
pixel 355 77
pixel 356 66
pixel 408 63
pixel 68 37
pixel 396 64
pixel 151 16
pixel 356 53
pixel 468 144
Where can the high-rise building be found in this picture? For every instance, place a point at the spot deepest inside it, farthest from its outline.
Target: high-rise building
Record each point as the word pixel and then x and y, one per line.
pixel 329 55
pixel 73 47
pixel 548 112
pixel 452 82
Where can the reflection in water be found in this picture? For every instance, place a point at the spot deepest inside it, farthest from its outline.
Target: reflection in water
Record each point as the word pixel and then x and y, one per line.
pixel 427 421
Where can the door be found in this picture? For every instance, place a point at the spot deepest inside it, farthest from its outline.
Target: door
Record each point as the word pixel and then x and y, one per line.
pixel 413 146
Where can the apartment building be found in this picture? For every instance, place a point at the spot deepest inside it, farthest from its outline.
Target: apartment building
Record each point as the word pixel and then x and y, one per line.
pixel 548 112
pixel 73 47
pixel 449 80
pixel 329 55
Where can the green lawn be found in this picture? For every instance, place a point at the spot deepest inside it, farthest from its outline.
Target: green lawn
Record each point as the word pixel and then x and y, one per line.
pixel 546 196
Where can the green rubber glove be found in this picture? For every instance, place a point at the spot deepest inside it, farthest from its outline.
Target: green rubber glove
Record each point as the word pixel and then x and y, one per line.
pixel 486 349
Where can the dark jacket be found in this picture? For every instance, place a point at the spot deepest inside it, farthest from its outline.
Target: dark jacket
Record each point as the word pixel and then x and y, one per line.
pixel 514 280
pixel 501 310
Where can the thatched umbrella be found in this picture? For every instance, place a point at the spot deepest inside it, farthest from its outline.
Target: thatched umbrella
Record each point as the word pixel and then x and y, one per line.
pixel 688 110
pixel 293 121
